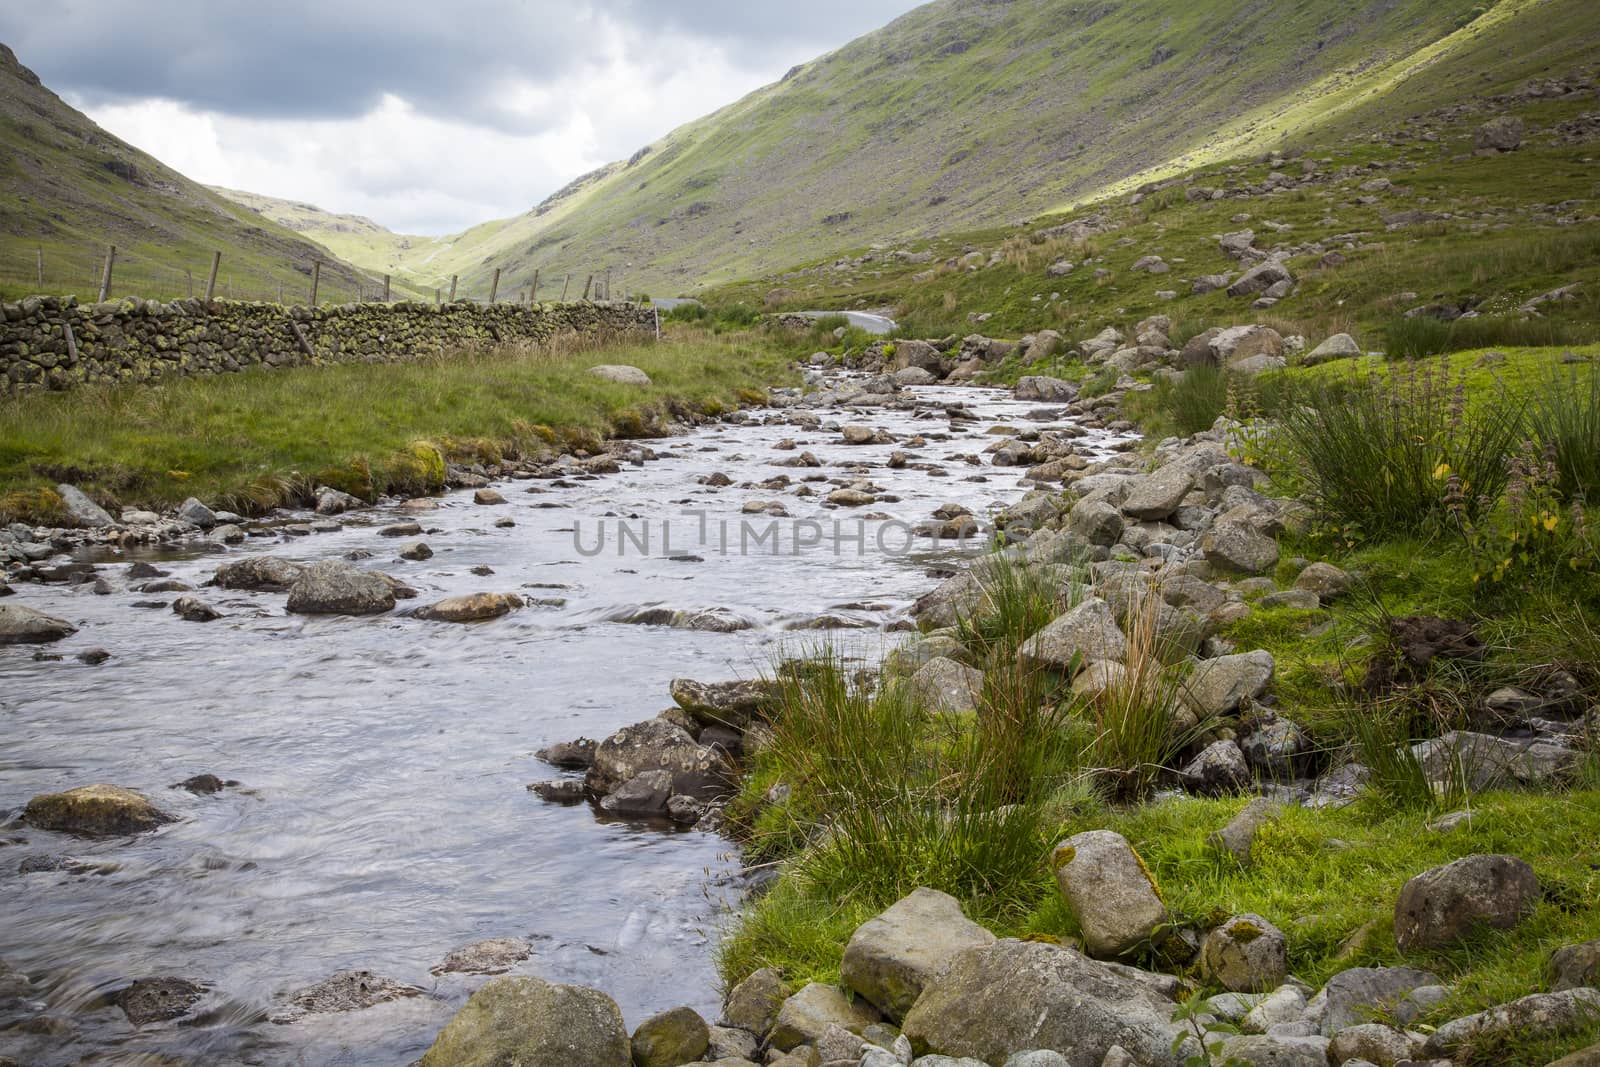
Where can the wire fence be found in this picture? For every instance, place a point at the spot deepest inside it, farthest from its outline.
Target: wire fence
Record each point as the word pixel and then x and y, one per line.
pixel 111 272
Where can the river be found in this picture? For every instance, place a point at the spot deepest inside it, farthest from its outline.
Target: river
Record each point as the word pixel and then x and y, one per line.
pixel 381 819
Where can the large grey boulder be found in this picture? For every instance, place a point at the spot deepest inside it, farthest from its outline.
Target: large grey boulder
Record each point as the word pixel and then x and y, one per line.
pixel 1087 632
pixel 1235 344
pixel 892 956
pixel 670 1038
pixel 1260 277
pixel 1575 966
pixel 1096 521
pixel 532 1023
pixel 24 626
pixel 804 1018
pixel 752 1005
pixel 1110 891
pixel 95 811
pixel 696 770
pixel 1500 134
pixel 1439 906
pixel 1339 346
pixel 620 373
pixel 1481 761
pixel 1246 954
pixel 942 684
pixel 474 607
pixel 1157 495
pixel 1271 1050
pixel 1219 768
pixel 335 587
pixel 1374 1043
pixel 1015 996
pixel 646 793
pixel 1540 1015
pixel 1239 548
pixel 193 512
pixel 1357 994
pixel 948 602
pixel 1218 686
pixel 1238 837
pixel 82 510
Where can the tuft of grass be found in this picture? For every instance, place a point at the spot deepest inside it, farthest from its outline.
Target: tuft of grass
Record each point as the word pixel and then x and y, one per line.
pixel 1016 602
pixel 1383 456
pixel 1564 417
pixel 1421 337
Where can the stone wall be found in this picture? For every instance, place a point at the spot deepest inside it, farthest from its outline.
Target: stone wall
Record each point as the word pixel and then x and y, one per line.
pixel 56 343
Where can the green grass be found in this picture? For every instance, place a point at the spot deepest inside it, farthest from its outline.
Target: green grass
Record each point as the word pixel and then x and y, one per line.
pixel 259 436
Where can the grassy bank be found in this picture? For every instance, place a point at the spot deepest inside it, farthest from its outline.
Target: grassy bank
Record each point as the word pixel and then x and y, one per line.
pixel 258 438
pixel 1454 489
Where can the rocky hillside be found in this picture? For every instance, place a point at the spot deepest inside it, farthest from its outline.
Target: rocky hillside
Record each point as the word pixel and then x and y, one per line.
pixel 967 113
pixel 69 188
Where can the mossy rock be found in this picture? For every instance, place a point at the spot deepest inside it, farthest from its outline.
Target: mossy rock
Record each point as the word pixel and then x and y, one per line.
pixel 37 507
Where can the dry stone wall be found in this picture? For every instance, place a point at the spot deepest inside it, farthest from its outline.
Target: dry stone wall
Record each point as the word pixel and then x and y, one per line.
pixel 57 343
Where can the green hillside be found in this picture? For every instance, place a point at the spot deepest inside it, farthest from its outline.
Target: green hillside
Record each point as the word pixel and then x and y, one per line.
pixel 69 188
pixel 966 114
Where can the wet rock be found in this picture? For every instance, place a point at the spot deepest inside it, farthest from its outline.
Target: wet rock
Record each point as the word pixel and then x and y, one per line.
pixel 1276 747
pixel 752 1005
pixel 532 1023
pixel 230 534
pixel 1219 686
pixel 195 513
pixel 942 684
pixel 560 790
pixel 1013 996
pixel 1036 387
pixel 657 745
pixel 335 587
pixel 1439 906
pixel 93 656
pixel 891 957
pixel 1087 632
pixel 1542 1015
pixel 95 811
pixel 670 1038
pixel 154 1000
pixel 646 793
pixel 495 955
pixel 1575 966
pixel 193 609
pixel 1110 891
pixel 165 585
pixel 1246 954
pixel 477 607
pixel 804 1017
pixel 714 620
pixel 726 1043
pixel 350 991
pixel 487 497
pixel 266 573
pixel 331 501
pixel 203 785
pixel 621 373
pixel 858 435
pixel 81 510
pixel 416 552
pixel 24 626
pixel 401 529
pixel 570 755
pixel 1220 768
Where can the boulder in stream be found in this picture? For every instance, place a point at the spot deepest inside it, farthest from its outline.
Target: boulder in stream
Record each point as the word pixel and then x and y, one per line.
pixel 335 587
pixel 533 1023
pixel 95 811
pixel 476 607
pixel 154 1000
pixel 24 626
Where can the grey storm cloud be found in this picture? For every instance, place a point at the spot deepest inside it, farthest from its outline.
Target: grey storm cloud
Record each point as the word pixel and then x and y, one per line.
pixel 312 59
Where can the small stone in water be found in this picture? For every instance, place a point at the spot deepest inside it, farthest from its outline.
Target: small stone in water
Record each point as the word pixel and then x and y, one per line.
pixel 496 955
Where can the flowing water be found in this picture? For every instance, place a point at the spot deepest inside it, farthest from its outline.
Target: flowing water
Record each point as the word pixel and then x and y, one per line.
pixel 381 819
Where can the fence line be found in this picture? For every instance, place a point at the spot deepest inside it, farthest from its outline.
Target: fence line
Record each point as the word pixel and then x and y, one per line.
pixel 111 272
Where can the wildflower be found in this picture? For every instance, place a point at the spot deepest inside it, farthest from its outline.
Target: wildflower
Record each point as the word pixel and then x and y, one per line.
pixel 1441 472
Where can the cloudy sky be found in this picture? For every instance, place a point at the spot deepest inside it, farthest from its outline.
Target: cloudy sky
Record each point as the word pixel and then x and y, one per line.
pixel 426 115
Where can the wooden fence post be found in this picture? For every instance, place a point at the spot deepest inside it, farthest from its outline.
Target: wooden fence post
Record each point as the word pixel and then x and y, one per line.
pixel 280 292
pixel 533 294
pixel 608 283
pixel 211 282
pixel 438 296
pixel 587 286
pixel 105 279
pixel 494 285
pixel 316 279
pixel 564 288
pixel 41 267
pixel 452 288
pixel 385 288
pixel 189 277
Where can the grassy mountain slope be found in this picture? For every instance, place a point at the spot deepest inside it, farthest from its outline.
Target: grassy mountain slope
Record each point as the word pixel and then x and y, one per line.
pixel 355 239
pixel 69 188
pixel 967 113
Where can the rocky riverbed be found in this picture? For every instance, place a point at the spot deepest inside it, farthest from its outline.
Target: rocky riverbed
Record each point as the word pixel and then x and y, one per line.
pixel 339 764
